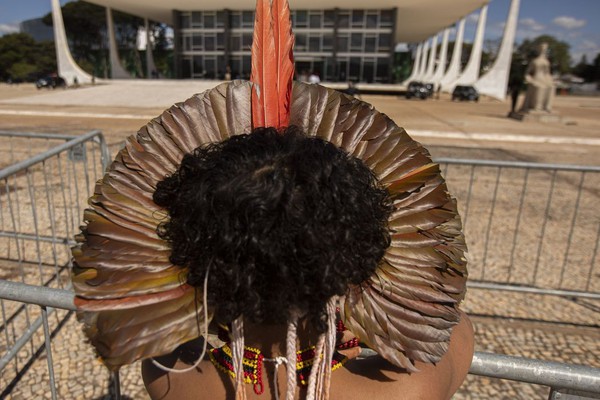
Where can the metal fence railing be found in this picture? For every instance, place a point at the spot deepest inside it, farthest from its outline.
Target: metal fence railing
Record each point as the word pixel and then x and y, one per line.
pixel 529 227
pixel 561 378
pixel 42 197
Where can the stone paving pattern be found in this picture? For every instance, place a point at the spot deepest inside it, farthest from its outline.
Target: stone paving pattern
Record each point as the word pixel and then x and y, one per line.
pixel 541 327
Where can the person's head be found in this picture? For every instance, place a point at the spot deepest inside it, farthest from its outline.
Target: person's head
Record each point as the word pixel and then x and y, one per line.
pixel 282 221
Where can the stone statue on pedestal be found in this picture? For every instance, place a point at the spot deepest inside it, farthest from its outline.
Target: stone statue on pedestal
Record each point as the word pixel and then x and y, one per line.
pixel 540 85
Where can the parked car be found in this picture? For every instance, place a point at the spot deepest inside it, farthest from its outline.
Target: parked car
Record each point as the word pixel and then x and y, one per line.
pixel 50 82
pixel 465 93
pixel 419 90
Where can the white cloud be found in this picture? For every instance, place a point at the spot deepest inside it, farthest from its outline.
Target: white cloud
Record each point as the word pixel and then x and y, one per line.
pixel 569 22
pixel 473 18
pixel 591 48
pixel 531 24
pixel 8 28
pixel 588 45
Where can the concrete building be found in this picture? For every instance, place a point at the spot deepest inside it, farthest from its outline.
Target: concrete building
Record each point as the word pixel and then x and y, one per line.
pixel 36 28
pixel 335 44
pixel 339 40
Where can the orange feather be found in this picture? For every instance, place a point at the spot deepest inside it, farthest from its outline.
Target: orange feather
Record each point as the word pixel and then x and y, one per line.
pixel 272 64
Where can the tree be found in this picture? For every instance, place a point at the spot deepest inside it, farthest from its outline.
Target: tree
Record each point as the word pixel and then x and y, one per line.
pixel 23 58
pixel 585 70
pixel 86 32
pixel 596 67
pixel 558 52
pixel 85 24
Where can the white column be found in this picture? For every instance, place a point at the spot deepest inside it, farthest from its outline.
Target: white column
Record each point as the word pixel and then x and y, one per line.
pixel 471 72
pixel 423 65
pixel 454 68
pixel 431 65
pixel 441 66
pixel 495 82
pixel 116 69
pixel 67 67
pixel 150 66
pixel 416 65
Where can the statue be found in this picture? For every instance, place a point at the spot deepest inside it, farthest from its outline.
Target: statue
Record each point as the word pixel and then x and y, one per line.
pixel 540 85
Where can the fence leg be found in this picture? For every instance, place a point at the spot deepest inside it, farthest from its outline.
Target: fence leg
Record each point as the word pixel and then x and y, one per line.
pixel 48 344
pixel 114 385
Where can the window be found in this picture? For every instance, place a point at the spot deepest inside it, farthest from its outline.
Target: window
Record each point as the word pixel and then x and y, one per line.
pixel 184 21
pixel 198 66
pixel 387 18
pixel 247 66
pixel 220 19
pixel 370 44
pixel 383 69
pixel 358 18
pixel 371 20
pixel 186 68
pixel 368 70
pixel 327 42
pixel 186 43
pixel 344 19
pixel 236 19
pixel 196 19
pixel 315 21
pixel 356 41
pixel 329 18
pixel 246 41
pixel 197 42
pixel 209 42
pixel 209 20
pixel 342 43
pixel 330 69
pixel 221 67
pixel 300 42
pixel 301 19
pixel 354 69
pixel 211 67
pixel 236 42
pixel 247 19
pixel 314 43
pixel 220 41
pixel 385 41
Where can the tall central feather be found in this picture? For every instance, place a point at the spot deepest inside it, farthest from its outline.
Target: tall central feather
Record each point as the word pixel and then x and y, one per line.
pixel 272 64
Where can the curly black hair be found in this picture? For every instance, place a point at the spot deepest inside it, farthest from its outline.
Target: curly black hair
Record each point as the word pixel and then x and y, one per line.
pixel 283 221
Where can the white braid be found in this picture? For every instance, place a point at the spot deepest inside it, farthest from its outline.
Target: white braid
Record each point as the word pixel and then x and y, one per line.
pixel 320 374
pixel 237 356
pixel 314 371
pixel 290 347
pixel 329 347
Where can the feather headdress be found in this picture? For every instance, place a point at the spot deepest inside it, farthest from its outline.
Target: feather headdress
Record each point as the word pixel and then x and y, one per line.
pixel 272 64
pixel 135 304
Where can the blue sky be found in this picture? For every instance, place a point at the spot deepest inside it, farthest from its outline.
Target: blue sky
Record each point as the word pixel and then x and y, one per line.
pixel 573 21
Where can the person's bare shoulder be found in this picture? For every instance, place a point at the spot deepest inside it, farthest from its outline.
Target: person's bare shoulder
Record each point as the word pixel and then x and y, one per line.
pixel 376 378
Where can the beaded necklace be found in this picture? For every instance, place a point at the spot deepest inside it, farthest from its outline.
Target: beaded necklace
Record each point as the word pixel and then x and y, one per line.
pixel 252 363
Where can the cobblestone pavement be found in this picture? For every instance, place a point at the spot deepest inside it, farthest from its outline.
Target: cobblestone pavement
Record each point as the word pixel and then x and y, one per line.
pixel 534 326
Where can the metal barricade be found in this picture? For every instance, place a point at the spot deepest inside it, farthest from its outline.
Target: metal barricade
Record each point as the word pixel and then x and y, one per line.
pixel 530 227
pixel 42 198
pixel 561 378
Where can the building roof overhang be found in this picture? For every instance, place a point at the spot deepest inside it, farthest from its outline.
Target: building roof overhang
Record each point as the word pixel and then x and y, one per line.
pixel 416 19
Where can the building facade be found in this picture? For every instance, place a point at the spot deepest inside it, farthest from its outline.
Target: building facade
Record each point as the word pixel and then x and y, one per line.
pixel 336 44
pixel 36 28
